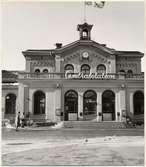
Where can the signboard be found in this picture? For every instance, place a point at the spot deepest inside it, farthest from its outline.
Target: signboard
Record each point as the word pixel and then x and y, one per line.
pixel 72 116
pixel 107 117
pixel 70 75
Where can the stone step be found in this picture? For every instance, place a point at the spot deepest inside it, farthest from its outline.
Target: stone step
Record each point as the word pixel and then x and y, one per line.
pixel 94 125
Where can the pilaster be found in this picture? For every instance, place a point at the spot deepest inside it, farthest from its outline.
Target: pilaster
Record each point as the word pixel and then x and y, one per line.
pixel 122 100
pixel 58 104
pixel 3 107
pixel 58 63
pixel 27 66
pixel 50 108
pixel 131 103
pixel 20 101
pixel 80 105
pixel 99 106
pixel 26 99
pixel 117 106
pixel 113 64
pixel 31 101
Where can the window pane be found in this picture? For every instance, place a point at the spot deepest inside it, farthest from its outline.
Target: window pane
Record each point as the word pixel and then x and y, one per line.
pixel 85 69
pixel 39 103
pixel 101 69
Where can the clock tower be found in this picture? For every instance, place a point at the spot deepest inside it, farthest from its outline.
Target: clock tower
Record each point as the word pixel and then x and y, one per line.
pixel 84 31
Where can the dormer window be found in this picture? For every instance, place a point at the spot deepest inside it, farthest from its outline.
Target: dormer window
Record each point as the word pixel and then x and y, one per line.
pixel 69 68
pixel 37 70
pixel 129 72
pixel 122 71
pixel 101 69
pixel 45 70
pixel 85 69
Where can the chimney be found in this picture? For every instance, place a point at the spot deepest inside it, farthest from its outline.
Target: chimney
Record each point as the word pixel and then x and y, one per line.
pixel 58 45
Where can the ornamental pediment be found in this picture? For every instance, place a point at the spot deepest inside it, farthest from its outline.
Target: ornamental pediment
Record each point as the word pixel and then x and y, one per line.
pixel 87 44
pixel 86 54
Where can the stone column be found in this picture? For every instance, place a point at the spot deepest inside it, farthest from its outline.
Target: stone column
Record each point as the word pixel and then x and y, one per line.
pixel 20 101
pixel 31 92
pixel 99 106
pixel 47 106
pixel 27 65
pixel 3 107
pixel 50 105
pixel 117 105
pixel 80 105
pixel 122 101
pixel 26 99
pixel 131 103
pixel 113 64
pixel 57 63
pixel 58 104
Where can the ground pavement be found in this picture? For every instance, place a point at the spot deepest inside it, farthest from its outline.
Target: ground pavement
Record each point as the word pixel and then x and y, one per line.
pixel 73 147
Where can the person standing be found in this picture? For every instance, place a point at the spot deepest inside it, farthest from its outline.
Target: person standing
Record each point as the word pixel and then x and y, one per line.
pixel 23 120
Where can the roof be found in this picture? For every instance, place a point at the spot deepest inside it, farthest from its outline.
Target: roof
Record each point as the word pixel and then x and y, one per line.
pixel 103 47
pixel 129 53
pixel 9 76
pixel 42 52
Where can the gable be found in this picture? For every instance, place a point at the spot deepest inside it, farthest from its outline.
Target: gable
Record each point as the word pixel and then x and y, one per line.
pixel 86 43
pixel 76 54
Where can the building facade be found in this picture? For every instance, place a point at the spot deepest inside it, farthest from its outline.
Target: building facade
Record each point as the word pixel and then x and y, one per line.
pixel 83 80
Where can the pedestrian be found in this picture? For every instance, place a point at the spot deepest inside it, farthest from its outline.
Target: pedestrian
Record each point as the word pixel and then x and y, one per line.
pixel 22 120
pixel 18 121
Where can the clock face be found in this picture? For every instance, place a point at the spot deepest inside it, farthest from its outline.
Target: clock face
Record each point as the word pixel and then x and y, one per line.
pixel 85 54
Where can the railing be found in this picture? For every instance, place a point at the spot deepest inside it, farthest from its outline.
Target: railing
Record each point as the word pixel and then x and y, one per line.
pixel 135 76
pixel 41 75
pixel 77 76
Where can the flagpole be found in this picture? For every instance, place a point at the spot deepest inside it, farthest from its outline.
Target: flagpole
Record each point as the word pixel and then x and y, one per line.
pixel 84 11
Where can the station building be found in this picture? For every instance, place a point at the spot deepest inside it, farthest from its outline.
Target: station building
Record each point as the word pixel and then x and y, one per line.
pixel 81 81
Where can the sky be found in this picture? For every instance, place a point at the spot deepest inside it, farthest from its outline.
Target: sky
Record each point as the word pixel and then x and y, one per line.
pixel 39 25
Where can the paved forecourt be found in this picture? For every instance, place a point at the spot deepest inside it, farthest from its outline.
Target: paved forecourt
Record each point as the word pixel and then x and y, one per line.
pixel 73 147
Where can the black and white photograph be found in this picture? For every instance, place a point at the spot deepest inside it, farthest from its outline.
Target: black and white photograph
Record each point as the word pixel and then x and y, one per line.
pixel 72 83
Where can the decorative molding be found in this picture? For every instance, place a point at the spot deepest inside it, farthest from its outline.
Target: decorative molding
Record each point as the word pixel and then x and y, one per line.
pixel 42 63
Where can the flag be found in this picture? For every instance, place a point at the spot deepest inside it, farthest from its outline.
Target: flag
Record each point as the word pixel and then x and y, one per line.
pixel 88 3
pixel 97 4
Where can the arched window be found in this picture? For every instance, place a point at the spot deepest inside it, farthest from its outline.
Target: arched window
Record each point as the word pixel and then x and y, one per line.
pixel 89 103
pixel 122 71
pixel 138 102
pixel 101 69
pixel 45 70
pixel 39 102
pixel 85 33
pixel 85 69
pixel 71 103
pixel 69 67
pixel 129 72
pixel 37 70
pixel 108 105
pixel 10 104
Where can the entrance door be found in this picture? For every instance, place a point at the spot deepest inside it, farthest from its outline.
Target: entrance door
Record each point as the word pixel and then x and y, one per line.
pixel 108 106
pixel 138 101
pixel 10 104
pixel 71 105
pixel 90 105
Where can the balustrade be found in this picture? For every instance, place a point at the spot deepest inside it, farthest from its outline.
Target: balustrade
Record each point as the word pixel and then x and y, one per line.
pixel 92 76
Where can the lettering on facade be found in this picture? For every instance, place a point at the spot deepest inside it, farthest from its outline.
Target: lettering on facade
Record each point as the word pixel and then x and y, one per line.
pixel 81 75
